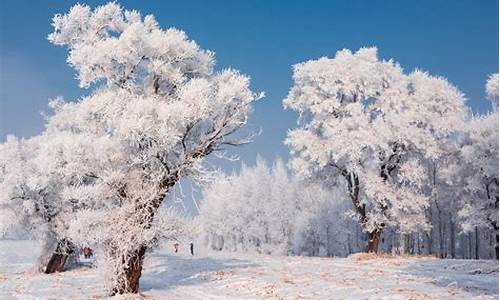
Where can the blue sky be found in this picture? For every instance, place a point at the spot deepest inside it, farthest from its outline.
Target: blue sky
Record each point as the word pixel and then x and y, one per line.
pixel 454 39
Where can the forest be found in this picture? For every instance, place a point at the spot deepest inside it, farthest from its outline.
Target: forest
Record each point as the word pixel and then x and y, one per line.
pixel 382 160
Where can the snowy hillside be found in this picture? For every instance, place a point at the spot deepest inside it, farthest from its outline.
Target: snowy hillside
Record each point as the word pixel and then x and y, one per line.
pixel 239 276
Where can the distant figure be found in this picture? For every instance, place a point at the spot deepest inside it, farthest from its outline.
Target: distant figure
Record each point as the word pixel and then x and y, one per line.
pixel 176 247
pixel 191 248
pixel 87 252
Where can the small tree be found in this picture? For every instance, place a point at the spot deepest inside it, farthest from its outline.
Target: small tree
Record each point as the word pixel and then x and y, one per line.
pixel 492 90
pixel 159 101
pixel 366 124
pixel 35 175
pixel 27 199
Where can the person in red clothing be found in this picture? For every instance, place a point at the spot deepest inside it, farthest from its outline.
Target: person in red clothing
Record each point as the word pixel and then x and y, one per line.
pixel 87 252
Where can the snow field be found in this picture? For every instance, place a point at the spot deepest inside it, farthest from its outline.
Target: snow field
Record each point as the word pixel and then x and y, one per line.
pixel 244 276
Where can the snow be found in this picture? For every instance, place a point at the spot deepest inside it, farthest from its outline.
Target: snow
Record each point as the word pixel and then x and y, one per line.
pixel 244 276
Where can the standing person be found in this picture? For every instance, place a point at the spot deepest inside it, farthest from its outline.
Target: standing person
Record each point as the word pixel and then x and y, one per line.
pixel 191 248
pixel 88 252
pixel 176 247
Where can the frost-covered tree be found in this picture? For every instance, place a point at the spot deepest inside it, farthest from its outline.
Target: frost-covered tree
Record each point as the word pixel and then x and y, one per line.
pixel 480 168
pixel 459 213
pixel 263 209
pixel 39 179
pixel 366 124
pixel 28 198
pixel 158 101
pixel 492 90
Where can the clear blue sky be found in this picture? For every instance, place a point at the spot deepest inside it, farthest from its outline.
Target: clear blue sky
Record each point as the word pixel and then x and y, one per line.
pixel 454 39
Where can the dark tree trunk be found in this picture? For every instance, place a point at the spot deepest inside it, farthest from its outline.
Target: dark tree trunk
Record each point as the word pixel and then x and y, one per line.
pixel 452 238
pixel 493 223
pixel 440 233
pixel 374 240
pixel 419 249
pixel 407 246
pixel 496 245
pixel 470 245
pixel 476 243
pixel 58 259
pixel 133 273
pixel 430 234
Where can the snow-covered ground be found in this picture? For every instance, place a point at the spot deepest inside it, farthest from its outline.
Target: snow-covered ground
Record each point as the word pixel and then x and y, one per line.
pixel 239 276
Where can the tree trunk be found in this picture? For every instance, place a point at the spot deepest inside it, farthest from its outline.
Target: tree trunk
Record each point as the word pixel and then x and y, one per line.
pixel 441 234
pixel 430 234
pixel 349 248
pixel 407 248
pixel 58 259
pixel 419 248
pixel 133 273
pixel 469 238
pixel 476 242
pixel 452 238
pixel 374 240
pixel 496 245
pixel 133 264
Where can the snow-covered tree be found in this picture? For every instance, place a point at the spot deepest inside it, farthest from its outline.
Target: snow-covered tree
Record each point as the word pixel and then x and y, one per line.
pixel 39 179
pixel 30 199
pixel 480 168
pixel 492 90
pixel 366 124
pixel 459 213
pixel 26 198
pixel 158 101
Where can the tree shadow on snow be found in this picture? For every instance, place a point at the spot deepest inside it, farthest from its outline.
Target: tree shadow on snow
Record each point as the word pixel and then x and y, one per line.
pixel 168 271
